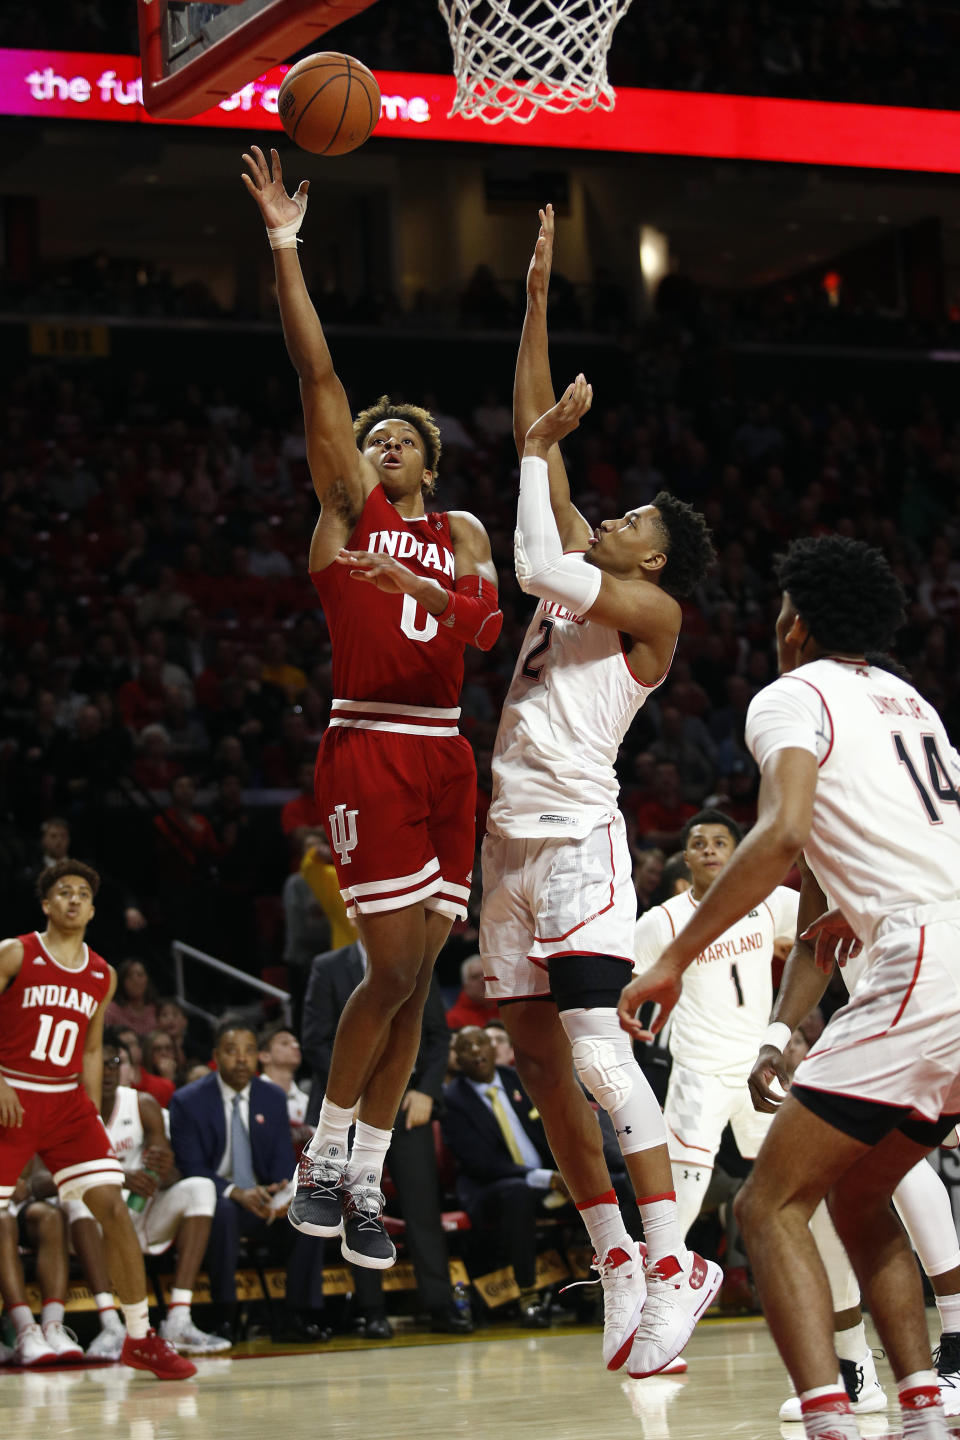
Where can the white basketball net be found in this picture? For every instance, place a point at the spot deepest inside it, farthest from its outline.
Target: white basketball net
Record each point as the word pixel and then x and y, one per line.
pixel 517 57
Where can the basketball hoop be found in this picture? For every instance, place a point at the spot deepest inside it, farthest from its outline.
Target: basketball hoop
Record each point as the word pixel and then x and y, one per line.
pixel 517 57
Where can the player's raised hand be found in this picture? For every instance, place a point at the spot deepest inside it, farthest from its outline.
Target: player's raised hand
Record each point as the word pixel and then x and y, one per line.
pixel 564 417
pixel 541 263
pixel 662 983
pixel 768 1070
pixel 265 184
pixel 833 939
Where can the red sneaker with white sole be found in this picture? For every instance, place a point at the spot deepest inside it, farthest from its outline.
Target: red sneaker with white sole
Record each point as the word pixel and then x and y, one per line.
pixel 156 1355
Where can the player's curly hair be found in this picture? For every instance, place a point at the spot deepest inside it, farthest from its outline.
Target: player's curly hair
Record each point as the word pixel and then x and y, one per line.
pixel 845 592
pixel 48 877
pixel 415 415
pixel 687 541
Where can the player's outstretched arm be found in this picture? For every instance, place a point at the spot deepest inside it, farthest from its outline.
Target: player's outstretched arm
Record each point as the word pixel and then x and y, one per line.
pixel 331 448
pixel 533 391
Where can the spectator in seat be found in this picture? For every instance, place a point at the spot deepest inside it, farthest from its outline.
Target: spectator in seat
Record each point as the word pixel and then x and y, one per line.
pixel 34 1224
pixel 411 1159
pixel 232 1126
pixel 189 1043
pixel 660 820
pixel 280 1059
pixel 134 1006
pixel 502 1046
pixel 303 812
pixel 160 1055
pixel 133 1073
pixel 506 1169
pixel 320 873
pixel 471 1006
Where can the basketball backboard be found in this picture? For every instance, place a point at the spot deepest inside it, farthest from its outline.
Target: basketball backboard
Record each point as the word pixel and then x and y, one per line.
pixel 194 55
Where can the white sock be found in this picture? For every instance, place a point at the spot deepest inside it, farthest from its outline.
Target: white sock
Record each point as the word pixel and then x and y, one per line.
pixel 661 1230
pixel 137 1316
pixel 604 1222
pixel 331 1139
pixel 690 1184
pixel 830 1414
pixel 949 1307
pixel 921 1409
pixel 180 1298
pixel 851 1344
pixel 52 1312
pixel 21 1316
pixel 370 1146
pixel 107 1311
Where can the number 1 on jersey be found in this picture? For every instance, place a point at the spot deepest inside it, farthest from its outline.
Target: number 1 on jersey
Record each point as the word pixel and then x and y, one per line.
pixel 735 977
pixel 59 1048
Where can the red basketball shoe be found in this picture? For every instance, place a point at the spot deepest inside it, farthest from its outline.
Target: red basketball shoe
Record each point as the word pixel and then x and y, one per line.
pixel 156 1355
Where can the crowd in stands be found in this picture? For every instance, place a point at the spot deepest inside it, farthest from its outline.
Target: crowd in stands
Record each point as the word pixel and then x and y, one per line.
pixel 893 52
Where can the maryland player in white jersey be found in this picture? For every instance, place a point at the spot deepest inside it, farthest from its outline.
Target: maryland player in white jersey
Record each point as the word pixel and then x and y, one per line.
pixel 556 930
pixel 857 770
pixel 721 1015
pixel 170 1209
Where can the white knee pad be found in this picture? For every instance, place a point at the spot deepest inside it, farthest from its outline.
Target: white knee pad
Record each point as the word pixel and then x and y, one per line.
pixel 605 1063
pixel 844 1289
pixel 199 1196
pixel 923 1204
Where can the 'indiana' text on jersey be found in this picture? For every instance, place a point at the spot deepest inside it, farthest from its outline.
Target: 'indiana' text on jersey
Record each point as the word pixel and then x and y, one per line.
pixel 66 997
pixel 404 546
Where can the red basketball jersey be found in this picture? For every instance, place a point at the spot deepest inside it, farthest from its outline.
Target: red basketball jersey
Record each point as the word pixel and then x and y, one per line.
pixel 44 1016
pixel 386 648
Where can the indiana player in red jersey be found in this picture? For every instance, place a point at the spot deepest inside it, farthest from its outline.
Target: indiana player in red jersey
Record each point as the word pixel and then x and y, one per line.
pixel 54 992
pixel 396 781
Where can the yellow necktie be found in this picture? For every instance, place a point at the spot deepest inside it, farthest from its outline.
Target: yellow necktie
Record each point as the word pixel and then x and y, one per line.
pixel 503 1120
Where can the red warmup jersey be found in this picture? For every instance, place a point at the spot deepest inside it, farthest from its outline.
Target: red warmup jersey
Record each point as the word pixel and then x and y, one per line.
pixel 386 648
pixel 44 1016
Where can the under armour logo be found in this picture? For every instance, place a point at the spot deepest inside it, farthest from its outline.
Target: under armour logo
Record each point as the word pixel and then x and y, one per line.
pixel 343 832
pixel 627 1130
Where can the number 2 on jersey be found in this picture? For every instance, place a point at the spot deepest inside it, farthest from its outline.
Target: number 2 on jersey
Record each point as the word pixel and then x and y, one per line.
pixel 939 776
pixel 58 1048
pixel 540 647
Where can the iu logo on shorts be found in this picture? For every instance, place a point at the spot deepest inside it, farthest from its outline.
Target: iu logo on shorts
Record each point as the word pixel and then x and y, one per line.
pixel 343 832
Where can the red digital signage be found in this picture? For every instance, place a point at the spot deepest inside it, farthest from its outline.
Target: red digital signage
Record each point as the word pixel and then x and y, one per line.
pixel 70 85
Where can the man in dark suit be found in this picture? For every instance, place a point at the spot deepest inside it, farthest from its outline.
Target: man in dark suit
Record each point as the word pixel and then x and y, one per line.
pixel 233 1127
pixel 506 1169
pixel 411 1159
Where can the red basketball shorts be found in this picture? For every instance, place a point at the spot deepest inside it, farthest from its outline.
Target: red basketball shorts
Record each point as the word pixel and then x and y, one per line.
pixel 64 1128
pixel 399 812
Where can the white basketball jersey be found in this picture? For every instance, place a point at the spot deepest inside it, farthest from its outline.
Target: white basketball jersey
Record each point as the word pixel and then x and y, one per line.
pixel 570 703
pixel 886 815
pixel 125 1128
pixel 724 1006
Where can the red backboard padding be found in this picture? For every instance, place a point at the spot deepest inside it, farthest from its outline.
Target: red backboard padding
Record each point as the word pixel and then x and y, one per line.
pixel 270 36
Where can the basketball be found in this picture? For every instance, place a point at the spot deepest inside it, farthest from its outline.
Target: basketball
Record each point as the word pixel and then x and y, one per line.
pixel 329 103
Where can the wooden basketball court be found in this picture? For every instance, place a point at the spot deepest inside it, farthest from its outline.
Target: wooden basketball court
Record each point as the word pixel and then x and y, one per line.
pixel 508 1383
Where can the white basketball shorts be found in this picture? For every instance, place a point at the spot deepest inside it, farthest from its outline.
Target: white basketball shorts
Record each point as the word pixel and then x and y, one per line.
pixel 897 1042
pixel 160 1219
pixel 545 897
pixel 699 1106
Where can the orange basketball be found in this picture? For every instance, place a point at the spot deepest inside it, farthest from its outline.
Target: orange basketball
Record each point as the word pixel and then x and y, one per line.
pixel 329 103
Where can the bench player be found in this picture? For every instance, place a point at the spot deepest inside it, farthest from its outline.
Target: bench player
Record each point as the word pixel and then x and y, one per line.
pixel 556 930
pixel 856 769
pixel 722 1013
pixel 176 1209
pixel 403 592
pixel 54 992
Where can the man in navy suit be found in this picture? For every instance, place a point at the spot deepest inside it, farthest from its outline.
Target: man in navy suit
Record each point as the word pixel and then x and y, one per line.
pixel 233 1127
pixel 506 1169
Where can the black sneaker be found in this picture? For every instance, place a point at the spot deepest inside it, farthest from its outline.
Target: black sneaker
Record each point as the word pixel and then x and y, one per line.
pixel 947 1360
pixel 317 1207
pixel 365 1240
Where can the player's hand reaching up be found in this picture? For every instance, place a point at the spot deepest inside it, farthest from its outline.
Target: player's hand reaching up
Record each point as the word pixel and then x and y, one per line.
pixel 538 275
pixel 265 184
pixel 564 417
